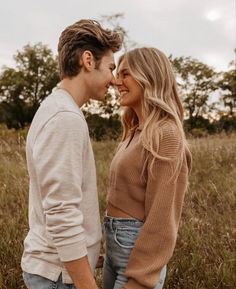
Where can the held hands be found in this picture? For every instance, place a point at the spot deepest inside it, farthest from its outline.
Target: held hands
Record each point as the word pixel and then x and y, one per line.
pixel 100 262
pixel 81 274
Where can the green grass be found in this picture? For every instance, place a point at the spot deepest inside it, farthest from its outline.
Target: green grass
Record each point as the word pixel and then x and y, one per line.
pixel 204 257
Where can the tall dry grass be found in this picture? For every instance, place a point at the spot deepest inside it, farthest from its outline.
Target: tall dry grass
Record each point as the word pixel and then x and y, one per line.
pixel 204 257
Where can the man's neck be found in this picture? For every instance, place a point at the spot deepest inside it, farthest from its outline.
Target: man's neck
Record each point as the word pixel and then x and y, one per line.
pixel 76 87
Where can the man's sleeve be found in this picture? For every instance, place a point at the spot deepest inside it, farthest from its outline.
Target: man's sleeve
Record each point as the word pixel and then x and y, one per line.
pixel 58 159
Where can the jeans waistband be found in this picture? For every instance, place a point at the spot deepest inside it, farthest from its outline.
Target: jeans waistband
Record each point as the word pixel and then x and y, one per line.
pixel 113 221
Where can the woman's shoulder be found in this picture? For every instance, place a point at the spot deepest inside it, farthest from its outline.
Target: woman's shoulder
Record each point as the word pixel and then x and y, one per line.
pixel 168 127
pixel 168 131
pixel 170 138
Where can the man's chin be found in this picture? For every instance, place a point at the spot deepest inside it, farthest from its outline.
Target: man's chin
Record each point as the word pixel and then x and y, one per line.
pixel 99 97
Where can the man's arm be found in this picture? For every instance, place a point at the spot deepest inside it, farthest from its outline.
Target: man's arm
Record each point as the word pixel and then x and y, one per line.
pixel 81 274
pixel 58 153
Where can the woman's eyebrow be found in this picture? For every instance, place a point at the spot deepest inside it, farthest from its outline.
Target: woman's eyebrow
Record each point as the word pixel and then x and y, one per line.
pixel 122 70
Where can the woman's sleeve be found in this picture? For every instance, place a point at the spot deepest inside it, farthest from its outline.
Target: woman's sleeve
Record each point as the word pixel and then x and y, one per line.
pixel 163 203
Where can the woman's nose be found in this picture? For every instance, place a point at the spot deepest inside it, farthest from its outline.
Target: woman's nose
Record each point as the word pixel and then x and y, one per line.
pixel 118 81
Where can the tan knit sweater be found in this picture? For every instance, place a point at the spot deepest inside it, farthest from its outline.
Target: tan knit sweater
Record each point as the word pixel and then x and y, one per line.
pixel 154 197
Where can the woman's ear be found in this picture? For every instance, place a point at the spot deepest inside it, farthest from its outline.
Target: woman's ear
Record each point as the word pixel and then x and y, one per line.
pixel 87 60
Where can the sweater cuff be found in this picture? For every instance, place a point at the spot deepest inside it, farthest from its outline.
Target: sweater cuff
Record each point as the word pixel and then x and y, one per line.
pixel 73 251
pixel 132 284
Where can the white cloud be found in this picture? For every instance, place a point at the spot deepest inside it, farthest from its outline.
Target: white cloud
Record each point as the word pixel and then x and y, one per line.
pixel 215 60
pixel 180 27
pixel 213 15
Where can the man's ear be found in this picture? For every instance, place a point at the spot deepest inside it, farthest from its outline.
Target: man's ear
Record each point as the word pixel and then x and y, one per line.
pixel 87 60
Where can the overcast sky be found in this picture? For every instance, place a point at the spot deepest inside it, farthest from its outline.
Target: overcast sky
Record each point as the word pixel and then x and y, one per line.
pixel 203 29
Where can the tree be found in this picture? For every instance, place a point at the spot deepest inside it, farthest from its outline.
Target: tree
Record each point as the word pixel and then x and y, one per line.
pixel 227 85
pixel 101 128
pixel 113 21
pixel 12 107
pixel 196 82
pixel 27 85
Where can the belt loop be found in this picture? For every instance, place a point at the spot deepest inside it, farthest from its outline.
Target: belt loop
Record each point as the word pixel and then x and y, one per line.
pixel 111 224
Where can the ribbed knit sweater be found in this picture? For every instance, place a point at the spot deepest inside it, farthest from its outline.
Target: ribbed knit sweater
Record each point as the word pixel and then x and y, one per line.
pixel 64 216
pixel 148 191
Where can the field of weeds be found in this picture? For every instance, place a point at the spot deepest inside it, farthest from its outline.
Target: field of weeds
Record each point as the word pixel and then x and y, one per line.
pixel 204 257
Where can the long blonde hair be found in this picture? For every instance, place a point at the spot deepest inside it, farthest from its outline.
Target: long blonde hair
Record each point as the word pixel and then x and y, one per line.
pixel 160 103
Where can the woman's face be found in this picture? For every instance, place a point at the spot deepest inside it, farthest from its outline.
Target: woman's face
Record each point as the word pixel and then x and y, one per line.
pixel 131 93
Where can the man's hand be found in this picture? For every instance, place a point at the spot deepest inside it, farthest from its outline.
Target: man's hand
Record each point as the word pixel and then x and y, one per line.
pixel 81 273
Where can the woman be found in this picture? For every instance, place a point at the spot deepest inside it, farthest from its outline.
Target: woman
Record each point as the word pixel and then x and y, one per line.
pixel 149 174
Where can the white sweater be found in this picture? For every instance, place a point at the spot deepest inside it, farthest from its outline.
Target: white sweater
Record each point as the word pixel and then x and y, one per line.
pixel 64 216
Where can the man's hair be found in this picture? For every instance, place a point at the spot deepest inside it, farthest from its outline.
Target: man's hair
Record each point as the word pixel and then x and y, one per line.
pixel 84 35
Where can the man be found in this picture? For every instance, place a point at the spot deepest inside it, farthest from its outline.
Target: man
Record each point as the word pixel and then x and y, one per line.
pixel 63 243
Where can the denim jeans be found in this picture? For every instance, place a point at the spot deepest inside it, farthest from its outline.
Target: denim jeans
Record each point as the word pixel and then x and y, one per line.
pixel 33 281
pixel 120 237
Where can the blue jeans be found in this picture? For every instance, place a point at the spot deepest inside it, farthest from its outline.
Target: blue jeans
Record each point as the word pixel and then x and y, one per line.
pixel 33 281
pixel 120 237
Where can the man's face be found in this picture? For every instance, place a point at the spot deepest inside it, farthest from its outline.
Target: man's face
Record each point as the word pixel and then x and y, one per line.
pixel 102 77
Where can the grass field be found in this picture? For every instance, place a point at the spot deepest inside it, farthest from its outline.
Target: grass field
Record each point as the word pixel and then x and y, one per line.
pixel 204 257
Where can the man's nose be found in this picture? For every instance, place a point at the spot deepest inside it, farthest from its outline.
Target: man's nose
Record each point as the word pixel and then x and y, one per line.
pixel 118 82
pixel 113 80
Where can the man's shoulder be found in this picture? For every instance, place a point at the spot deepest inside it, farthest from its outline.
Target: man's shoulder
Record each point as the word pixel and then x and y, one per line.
pixel 60 101
pixel 57 112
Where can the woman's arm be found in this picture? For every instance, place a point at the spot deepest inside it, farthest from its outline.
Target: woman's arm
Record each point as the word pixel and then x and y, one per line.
pixel 163 204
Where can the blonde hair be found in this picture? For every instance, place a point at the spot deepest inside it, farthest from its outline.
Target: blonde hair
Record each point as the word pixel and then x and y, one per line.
pixel 160 102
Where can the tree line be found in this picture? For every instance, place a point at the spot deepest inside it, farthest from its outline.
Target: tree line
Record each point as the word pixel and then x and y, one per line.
pixel 209 97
